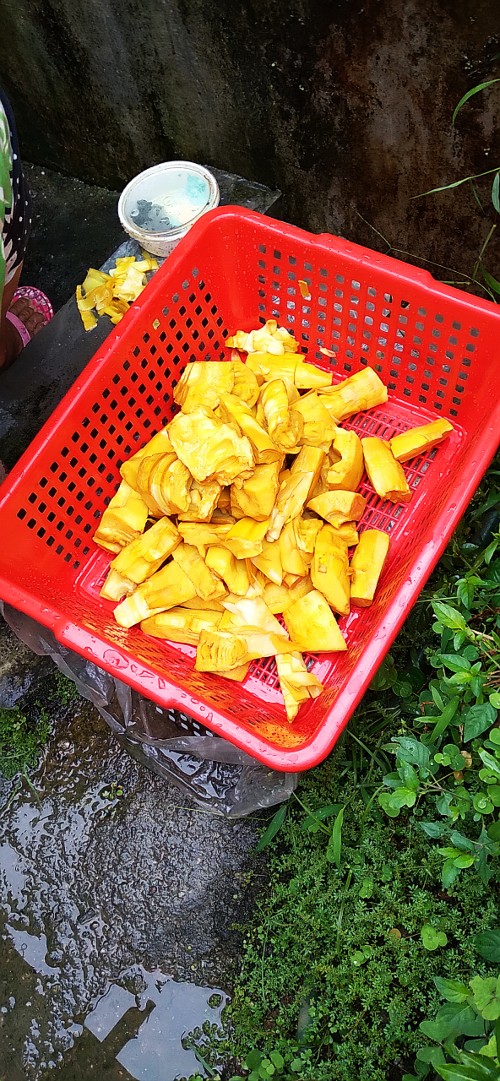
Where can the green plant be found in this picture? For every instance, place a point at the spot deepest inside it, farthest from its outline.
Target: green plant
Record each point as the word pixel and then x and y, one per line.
pixel 447 768
pixel 21 740
pixel 24 730
pixel 113 791
pixel 65 690
pixel 356 927
pixel 467 1028
pixel 262 1067
pixel 337 969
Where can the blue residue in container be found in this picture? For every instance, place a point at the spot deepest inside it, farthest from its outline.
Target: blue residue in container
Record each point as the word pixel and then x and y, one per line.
pixel 187 195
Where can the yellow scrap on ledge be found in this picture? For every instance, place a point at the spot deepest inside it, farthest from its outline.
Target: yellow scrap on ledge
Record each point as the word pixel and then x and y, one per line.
pixel 112 294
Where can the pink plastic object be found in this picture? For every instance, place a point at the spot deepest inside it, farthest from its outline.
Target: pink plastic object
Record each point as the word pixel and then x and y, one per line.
pixel 436 349
pixel 18 325
pixel 38 300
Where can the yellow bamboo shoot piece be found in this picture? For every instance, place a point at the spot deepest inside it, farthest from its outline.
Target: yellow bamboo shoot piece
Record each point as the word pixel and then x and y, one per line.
pixel 144 470
pixel 202 534
pixel 233 571
pixel 203 499
pixel 165 589
pixel 296 682
pixel 203 384
pixel 306 532
pixel 268 561
pixel 348 533
pixel 159 444
pixel 170 484
pixel 293 560
pixel 346 473
pixel 246 385
pixel 295 489
pixel 255 497
pixel 330 570
pixel 319 428
pixel 284 424
pixel 309 461
pixel 233 409
pixel 288 366
pixel 224 650
pixel 124 519
pixel 251 612
pixel 289 503
pixel 207 585
pixel 417 440
pixel 278 597
pixel 271 337
pixel 238 674
pixel 181 624
pixel 311 624
pixel 363 390
pixel 145 555
pixel 338 507
pixel 244 539
pixel 291 579
pixel 88 319
pixel 115 587
pixel 386 475
pixel 367 564
pixel 200 605
pixel 210 449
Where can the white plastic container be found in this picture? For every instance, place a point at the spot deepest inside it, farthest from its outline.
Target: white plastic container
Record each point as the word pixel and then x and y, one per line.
pixel 159 206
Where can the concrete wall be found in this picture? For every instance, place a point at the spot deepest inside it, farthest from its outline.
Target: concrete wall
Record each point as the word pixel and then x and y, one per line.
pixel 343 104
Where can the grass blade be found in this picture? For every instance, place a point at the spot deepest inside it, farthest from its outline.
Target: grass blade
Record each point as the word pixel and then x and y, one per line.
pixel 456 183
pixel 272 829
pixel 495 192
pixel 491 282
pixel 470 94
pixel 334 849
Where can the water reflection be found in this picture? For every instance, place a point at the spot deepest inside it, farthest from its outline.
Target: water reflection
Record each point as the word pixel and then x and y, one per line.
pixel 115 917
pixel 139 1024
pixel 155 1052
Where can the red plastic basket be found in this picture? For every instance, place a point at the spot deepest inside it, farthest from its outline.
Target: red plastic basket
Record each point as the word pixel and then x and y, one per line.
pixel 435 348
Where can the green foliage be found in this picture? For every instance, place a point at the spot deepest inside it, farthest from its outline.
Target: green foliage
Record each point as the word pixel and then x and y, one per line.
pixel 464 1029
pixel 21 740
pixel 339 967
pixel 471 93
pixel 432 939
pixel 448 769
pixel 262 1067
pixel 65 690
pixel 381 898
pixel 24 732
pixel 113 792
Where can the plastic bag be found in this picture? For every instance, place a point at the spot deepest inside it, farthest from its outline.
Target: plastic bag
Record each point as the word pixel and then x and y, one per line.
pixel 212 771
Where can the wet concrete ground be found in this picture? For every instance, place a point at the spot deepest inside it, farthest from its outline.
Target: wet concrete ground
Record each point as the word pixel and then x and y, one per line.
pixel 118 914
pixel 119 898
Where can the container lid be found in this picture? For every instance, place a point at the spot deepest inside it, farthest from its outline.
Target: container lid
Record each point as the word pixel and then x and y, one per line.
pixel 168 197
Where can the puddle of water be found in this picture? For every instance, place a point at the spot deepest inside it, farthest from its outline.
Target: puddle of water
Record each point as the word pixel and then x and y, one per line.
pixel 155 1051
pixel 136 1030
pixel 115 917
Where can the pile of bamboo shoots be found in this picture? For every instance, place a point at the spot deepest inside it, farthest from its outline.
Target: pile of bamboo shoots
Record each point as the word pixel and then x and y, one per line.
pixel 246 507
